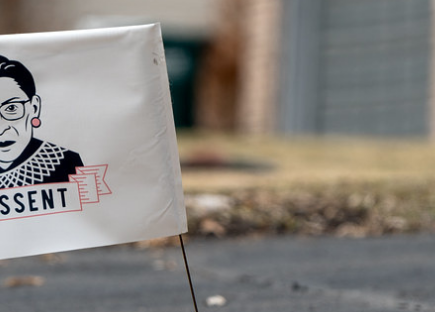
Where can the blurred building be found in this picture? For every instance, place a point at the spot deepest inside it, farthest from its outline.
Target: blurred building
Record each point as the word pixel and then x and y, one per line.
pixel 360 67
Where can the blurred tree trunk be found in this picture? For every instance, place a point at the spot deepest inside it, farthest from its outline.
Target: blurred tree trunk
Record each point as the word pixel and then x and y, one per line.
pixel 239 77
pixel 218 77
pixel 9 16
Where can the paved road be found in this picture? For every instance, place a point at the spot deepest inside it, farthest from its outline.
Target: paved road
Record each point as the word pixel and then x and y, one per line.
pixel 265 274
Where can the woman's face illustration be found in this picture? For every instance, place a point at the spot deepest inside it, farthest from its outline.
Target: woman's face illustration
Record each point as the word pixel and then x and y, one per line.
pixel 16 113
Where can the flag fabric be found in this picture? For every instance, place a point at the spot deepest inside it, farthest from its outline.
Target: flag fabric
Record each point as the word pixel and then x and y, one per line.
pixel 88 151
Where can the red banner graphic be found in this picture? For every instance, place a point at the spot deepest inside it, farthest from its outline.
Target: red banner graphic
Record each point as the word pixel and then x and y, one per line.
pixel 92 185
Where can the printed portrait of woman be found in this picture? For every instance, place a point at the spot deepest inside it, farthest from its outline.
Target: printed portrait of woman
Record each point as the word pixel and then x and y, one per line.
pixel 25 160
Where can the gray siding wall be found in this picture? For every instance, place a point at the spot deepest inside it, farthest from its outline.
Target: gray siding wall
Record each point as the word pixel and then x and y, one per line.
pixel 372 68
pixel 375 57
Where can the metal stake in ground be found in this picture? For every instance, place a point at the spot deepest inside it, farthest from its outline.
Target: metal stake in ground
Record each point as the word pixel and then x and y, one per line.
pixel 188 273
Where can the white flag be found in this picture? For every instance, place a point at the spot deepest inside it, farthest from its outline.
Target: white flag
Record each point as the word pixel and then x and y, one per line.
pixel 88 153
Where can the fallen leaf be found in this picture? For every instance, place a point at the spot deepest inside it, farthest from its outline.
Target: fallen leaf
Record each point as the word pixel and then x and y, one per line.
pixel 18 281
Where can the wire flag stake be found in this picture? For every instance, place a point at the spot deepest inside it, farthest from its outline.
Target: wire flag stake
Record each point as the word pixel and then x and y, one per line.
pixel 188 273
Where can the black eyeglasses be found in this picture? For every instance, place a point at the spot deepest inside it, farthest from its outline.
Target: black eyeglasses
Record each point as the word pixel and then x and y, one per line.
pixel 13 110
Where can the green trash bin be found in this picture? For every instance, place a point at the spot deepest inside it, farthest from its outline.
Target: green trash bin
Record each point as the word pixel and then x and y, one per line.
pixel 182 59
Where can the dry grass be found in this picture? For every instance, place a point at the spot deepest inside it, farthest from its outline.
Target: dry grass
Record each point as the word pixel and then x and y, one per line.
pixel 342 186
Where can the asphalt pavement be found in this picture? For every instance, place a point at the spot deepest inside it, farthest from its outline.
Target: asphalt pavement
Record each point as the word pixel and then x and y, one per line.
pixel 263 274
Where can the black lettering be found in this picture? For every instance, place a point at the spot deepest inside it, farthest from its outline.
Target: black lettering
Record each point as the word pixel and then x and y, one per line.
pixel 62 196
pixel 47 199
pixel 6 207
pixel 32 200
pixel 19 203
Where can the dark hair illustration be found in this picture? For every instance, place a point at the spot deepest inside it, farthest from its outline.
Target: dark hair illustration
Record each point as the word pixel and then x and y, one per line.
pixel 18 72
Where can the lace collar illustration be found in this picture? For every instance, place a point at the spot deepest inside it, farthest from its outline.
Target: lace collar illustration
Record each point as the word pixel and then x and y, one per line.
pixel 25 160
